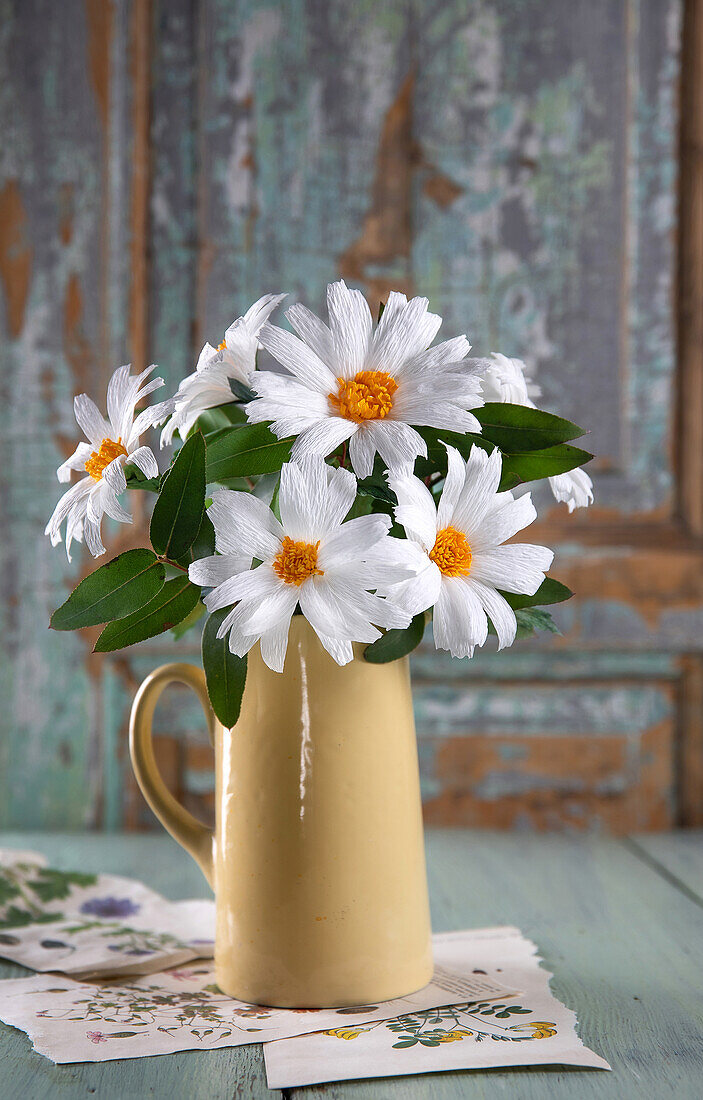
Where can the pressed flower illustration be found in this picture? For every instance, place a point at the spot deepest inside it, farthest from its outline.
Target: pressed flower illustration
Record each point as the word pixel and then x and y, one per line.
pixel 110 907
pixel 429 1028
pixel 149 1007
pixel 346 1032
pixel 112 442
pixel 540 1029
pixel 31 894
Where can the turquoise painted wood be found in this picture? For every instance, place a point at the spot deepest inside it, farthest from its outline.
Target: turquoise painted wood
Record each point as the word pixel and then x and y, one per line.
pixel 679 855
pixel 515 160
pixel 621 934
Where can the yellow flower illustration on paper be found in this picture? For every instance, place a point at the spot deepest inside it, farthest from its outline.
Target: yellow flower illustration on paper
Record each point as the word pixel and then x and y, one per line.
pixel 419 1028
pixel 346 1032
pixel 453 1036
pixel 541 1029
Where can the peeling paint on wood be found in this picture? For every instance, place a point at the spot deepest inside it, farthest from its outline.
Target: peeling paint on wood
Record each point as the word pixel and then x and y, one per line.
pixel 15 256
pixel 164 163
pixel 386 234
pixel 541 783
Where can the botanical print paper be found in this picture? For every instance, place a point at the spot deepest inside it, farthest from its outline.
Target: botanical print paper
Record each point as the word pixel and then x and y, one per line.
pixel 21 855
pixel 87 925
pixel 182 1009
pixel 530 1029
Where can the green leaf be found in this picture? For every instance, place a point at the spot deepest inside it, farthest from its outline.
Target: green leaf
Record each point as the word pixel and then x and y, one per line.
pixel 224 416
pixel 362 506
pixel 190 621
pixel 532 619
pixel 252 449
pixel 176 599
pixel 136 480
pixel 204 544
pixel 396 643
pixel 378 490
pixel 241 391
pixel 123 585
pixel 535 465
pixel 517 428
pixel 239 484
pixel 225 674
pixel 529 621
pixel 550 591
pixel 178 512
pixel 435 438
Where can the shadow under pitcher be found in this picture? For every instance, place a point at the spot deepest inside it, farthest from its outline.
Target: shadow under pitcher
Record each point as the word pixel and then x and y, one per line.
pixel 317 859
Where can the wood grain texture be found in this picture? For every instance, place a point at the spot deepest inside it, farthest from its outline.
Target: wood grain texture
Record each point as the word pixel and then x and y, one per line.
pixel 689 406
pixel 63 158
pixel 621 934
pixel 679 856
pixel 620 940
pixel 164 163
pixel 215 1075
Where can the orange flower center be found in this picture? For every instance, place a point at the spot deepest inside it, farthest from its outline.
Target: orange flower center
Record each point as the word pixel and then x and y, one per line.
pixel 296 561
pixel 102 458
pixel 222 345
pixel 451 552
pixel 366 396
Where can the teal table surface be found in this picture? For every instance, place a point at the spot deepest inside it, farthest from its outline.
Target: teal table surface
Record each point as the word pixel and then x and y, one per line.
pixel 618 921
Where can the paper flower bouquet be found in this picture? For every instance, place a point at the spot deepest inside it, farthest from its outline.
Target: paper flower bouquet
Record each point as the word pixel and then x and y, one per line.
pixel 365 480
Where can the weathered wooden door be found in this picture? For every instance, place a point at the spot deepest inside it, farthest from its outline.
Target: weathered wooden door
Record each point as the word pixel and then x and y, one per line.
pixel 163 164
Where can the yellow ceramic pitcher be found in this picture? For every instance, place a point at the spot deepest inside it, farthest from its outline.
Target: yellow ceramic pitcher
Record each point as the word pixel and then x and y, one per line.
pixel 317 858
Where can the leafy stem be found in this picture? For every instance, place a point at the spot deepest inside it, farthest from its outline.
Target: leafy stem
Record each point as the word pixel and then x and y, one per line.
pixel 19 884
pixel 173 564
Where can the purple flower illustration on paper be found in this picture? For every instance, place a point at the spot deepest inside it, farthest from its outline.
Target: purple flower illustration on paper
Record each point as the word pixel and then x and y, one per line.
pixel 110 907
pixel 95 1036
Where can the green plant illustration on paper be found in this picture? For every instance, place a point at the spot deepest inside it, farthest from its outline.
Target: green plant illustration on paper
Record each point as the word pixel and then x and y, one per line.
pixel 26 890
pixel 434 1026
pixel 30 895
pixel 132 941
pixel 206 1014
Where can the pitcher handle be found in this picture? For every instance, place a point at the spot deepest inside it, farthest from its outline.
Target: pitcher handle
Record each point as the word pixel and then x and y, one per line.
pixel 190 833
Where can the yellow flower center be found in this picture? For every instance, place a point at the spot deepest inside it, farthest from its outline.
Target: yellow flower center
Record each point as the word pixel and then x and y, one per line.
pixel 296 561
pixel 366 396
pixel 222 345
pixel 102 458
pixel 451 552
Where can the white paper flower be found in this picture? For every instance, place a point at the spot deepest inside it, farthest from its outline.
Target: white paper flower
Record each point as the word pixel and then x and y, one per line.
pixel 350 382
pixel 235 358
pixel 112 443
pixel 460 543
pixel 574 488
pixel 311 558
pixel 505 379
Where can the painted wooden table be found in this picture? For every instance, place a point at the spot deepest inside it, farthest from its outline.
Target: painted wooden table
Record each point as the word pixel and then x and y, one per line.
pixel 618 921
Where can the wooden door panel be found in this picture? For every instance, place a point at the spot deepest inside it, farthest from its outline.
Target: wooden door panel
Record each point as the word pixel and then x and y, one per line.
pixel 162 164
pixel 65 129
